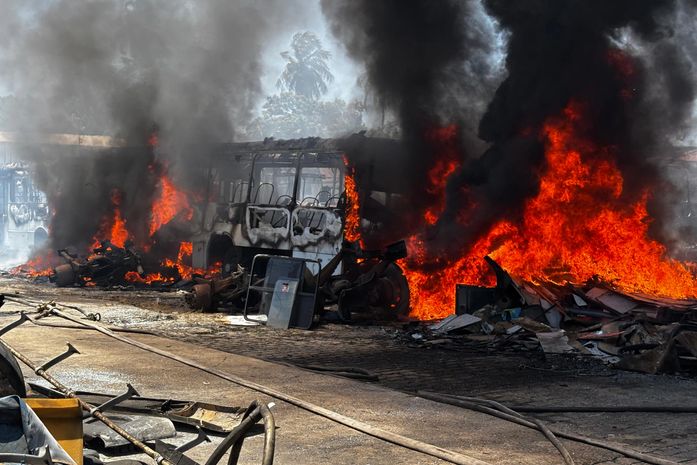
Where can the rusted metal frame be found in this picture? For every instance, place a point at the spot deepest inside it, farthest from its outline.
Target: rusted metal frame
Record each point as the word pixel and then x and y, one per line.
pixel 93 411
pixel 58 358
pixel 114 401
pixel 9 327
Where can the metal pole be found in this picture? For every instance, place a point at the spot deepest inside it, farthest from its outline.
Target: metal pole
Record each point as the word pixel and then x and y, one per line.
pixel 87 407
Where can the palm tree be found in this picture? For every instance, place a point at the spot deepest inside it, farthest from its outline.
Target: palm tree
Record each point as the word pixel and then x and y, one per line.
pixel 306 72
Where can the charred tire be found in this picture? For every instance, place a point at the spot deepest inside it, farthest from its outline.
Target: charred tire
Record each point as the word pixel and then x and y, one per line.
pixel 396 290
pixel 11 378
pixel 64 275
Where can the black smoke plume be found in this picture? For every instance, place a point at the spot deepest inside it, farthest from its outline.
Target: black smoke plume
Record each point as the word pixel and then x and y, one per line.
pixel 563 51
pixel 426 64
pixel 620 58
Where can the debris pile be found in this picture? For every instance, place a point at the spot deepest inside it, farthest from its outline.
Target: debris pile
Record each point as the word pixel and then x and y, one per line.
pixel 107 265
pixel 371 286
pixel 210 293
pixel 625 330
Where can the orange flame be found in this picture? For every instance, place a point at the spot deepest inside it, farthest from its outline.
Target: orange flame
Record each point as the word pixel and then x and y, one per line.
pixel 352 218
pixel 113 229
pixel 170 203
pixel 186 249
pixel 38 266
pixel 444 167
pixel 119 233
pixel 134 277
pixel 576 227
pixel 184 270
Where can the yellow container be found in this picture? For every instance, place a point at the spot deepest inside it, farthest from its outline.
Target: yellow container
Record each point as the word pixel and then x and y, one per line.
pixel 63 418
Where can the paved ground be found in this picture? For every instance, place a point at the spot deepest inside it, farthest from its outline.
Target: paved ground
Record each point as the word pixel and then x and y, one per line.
pixel 514 378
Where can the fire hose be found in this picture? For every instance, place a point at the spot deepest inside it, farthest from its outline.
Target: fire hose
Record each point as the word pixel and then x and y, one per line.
pixel 42 306
pixel 419 446
pixel 235 439
pixel 568 460
pixel 41 312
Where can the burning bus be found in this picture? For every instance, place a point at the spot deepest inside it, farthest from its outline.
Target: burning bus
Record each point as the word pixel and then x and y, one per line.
pixel 299 198
pixel 283 199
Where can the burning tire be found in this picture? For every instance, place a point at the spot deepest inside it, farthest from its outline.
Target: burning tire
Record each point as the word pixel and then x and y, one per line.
pixel 64 275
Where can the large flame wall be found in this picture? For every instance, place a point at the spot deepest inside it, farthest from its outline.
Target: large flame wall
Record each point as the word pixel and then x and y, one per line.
pixel 577 227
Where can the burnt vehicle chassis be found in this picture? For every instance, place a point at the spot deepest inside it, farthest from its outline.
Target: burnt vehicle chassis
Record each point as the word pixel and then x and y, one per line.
pixel 288 198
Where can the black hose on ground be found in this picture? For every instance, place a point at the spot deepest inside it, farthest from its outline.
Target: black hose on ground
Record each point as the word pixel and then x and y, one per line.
pixel 606 409
pixel 345 372
pixel 235 439
pixel 454 400
pixel 568 460
pixel 269 436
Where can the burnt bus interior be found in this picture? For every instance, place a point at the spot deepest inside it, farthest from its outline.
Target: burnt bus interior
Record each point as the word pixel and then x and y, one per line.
pixel 285 202
pixel 285 198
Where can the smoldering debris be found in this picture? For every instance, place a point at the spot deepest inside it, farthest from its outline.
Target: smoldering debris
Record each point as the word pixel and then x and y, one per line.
pixel 567 323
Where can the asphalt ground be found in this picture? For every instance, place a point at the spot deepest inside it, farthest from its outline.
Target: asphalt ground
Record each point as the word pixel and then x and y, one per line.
pixel 403 367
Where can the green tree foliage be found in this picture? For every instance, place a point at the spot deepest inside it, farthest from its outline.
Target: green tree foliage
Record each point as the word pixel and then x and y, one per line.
pixel 290 116
pixel 307 72
pixel 298 110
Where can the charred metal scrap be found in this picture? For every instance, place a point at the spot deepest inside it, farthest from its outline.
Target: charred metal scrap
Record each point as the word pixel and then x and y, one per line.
pixel 107 265
pixel 622 329
pixel 209 294
pixel 370 285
